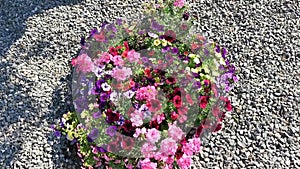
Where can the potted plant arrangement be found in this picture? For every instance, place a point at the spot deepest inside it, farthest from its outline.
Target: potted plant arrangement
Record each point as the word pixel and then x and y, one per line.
pixel 145 92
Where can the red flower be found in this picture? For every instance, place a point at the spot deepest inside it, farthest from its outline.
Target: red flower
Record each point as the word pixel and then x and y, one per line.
pixel 125 54
pixel 171 80
pixel 127 127
pixel 195 46
pixel 151 53
pixel 147 72
pixel 174 115
pixel 126 45
pixel 228 106
pixel 131 83
pixel 113 51
pixel 170 35
pixel 216 127
pixel 112 117
pixel 154 105
pixel 203 101
pixel 154 124
pixel 177 91
pixel 177 101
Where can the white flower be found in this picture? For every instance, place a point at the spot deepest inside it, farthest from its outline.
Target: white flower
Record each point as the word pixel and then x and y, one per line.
pixel 105 86
pixel 108 72
pixel 129 94
pixel 153 35
pixel 114 96
pixel 196 60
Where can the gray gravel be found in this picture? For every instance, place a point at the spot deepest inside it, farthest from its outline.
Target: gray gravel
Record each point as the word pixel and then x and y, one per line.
pixel 38 38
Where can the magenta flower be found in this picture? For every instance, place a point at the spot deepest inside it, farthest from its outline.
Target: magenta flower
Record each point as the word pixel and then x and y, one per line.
pixel 179 3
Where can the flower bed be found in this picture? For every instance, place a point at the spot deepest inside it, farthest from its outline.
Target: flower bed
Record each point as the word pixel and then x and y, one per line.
pixel 145 93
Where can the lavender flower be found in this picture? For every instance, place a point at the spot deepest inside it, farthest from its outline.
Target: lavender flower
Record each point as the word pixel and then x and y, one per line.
pixel 111 131
pixel 93 135
pixel 57 133
pixel 156 26
pixel 97 115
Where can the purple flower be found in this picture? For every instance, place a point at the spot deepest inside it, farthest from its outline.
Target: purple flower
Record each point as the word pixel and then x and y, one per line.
pixel 141 32
pixel 99 82
pixel 101 149
pixel 52 126
pixel 82 41
pixel 93 135
pixel 206 52
pixel 111 131
pixel 224 52
pixel 156 26
pixel 197 84
pixel 186 16
pixel 93 31
pixel 121 121
pixel 218 50
pixel 175 50
pixel 104 97
pixel 165 49
pixel 111 27
pixel 57 133
pixel 97 115
pixel 119 21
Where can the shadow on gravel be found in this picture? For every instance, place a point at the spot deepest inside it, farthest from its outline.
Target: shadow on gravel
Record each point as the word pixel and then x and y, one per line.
pixel 14 13
pixel 64 154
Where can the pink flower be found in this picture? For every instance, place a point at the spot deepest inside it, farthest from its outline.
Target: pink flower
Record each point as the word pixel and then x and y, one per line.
pixel 195 144
pixel 139 131
pixel 121 74
pixel 147 164
pixel 159 118
pixel 182 118
pixel 175 132
pixel 84 63
pixel 184 162
pixel 168 146
pixel 154 105
pixel 179 3
pixel 133 56
pixel 136 118
pixel 168 166
pixel 148 150
pixel 105 57
pixel 146 93
pixel 153 135
pixel 187 149
pixel 118 61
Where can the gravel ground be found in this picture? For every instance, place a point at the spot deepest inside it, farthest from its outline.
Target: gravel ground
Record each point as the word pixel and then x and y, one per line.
pixel 38 38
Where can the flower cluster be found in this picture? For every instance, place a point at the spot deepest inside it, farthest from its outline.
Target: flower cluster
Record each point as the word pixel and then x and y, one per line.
pixel 155 92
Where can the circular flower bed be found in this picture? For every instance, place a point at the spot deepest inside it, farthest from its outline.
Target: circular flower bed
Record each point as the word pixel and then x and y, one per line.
pixel 144 93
